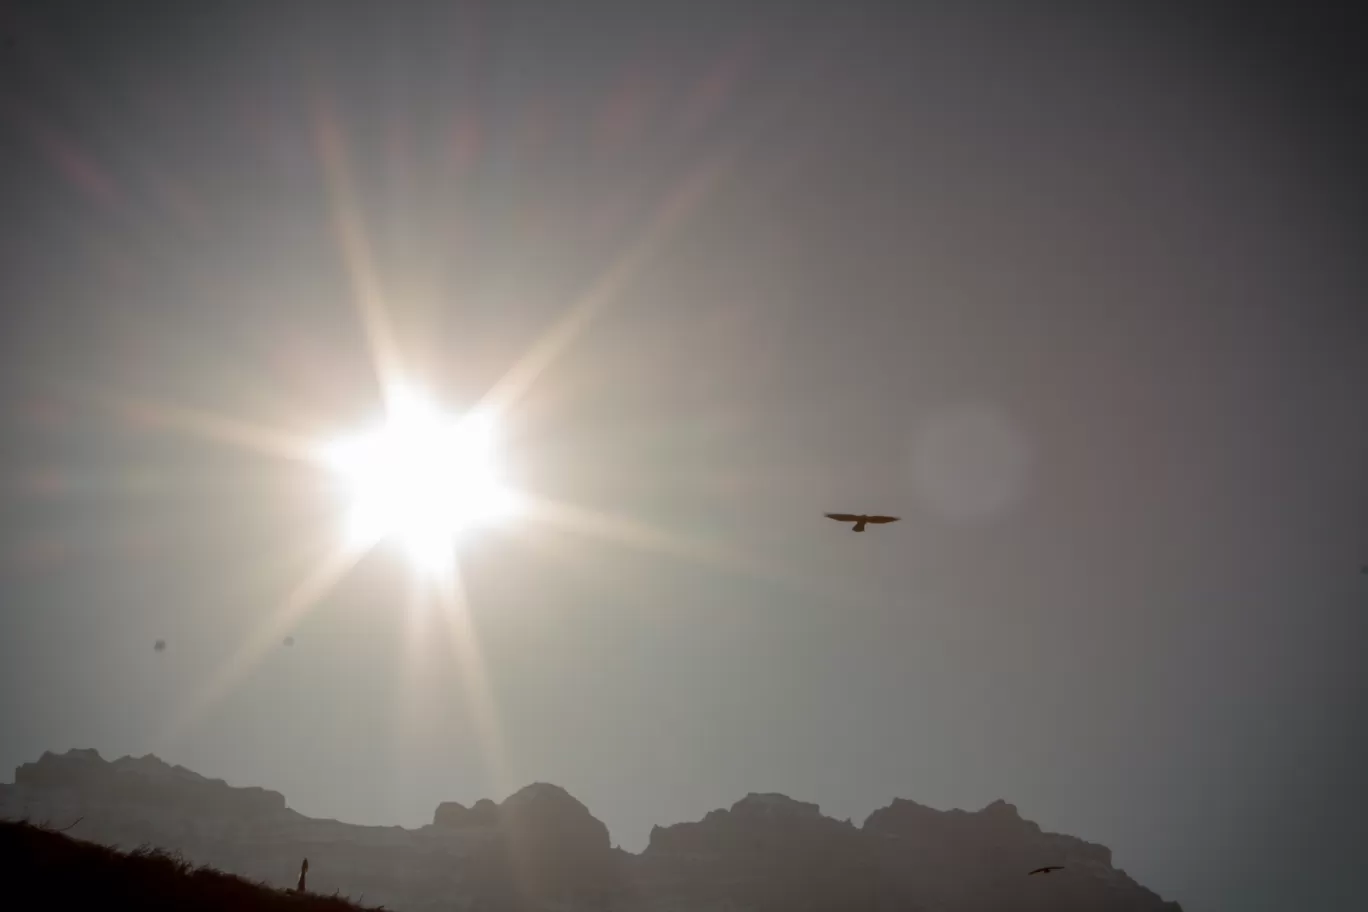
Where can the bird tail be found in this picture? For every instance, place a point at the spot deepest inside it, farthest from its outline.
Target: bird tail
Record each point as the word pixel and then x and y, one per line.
pixel 859 526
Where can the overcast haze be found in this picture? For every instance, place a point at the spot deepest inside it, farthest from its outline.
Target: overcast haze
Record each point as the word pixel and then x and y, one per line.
pixel 1079 295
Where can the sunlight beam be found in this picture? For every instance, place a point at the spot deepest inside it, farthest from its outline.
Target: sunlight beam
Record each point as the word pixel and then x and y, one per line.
pixel 212 426
pixel 479 698
pixel 673 209
pixel 296 605
pixel 347 224
pixel 646 537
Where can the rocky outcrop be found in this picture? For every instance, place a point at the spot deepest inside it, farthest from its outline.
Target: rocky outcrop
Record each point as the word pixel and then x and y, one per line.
pixel 541 849
pixel 772 853
pixel 456 815
pixel 147 781
pixel 544 846
pixel 768 852
pixel 950 859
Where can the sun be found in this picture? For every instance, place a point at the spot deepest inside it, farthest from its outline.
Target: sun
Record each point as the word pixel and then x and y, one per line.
pixel 422 479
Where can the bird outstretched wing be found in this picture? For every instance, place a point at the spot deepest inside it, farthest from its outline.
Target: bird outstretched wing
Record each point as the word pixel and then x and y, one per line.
pixel 843 517
pixel 1045 870
pixel 881 519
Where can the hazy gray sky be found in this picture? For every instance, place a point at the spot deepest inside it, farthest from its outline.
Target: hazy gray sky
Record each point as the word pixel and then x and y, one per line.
pixel 1077 294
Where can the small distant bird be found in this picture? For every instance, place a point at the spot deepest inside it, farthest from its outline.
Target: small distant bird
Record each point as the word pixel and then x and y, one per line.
pixel 303 873
pixel 1045 870
pixel 859 519
pixel 289 641
pixel 160 645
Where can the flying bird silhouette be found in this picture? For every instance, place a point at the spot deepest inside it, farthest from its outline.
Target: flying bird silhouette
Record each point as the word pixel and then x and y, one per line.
pixel 859 519
pixel 1045 870
pixel 289 641
pixel 159 646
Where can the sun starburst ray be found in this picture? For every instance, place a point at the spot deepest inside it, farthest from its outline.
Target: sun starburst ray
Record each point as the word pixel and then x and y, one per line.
pixel 212 426
pixel 673 210
pixel 643 536
pixel 454 608
pixel 371 306
pixel 303 598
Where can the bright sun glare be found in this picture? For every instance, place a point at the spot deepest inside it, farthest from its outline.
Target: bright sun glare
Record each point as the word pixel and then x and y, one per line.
pixel 422 479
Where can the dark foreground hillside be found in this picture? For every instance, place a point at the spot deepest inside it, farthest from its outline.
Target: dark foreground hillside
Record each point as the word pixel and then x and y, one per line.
pixel 44 869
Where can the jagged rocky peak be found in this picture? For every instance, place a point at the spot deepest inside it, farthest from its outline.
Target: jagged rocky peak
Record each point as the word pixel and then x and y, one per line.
pixel 1001 809
pixel 146 779
pixel 484 813
pixel 902 814
pixel 997 824
pixel 545 794
pixel 551 811
pixel 773 804
pixel 541 806
pixel 760 817
pixel 151 765
pixel 54 770
pixel 549 846
pixel 79 764
pixel 451 814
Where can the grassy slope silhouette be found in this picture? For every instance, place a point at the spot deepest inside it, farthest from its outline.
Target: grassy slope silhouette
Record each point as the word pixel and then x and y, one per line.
pixel 45 869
